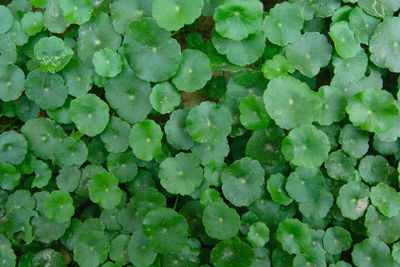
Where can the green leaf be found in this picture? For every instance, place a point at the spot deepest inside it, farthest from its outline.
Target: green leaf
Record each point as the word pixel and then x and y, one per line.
pixel 374 169
pixel 164 97
pixel 231 252
pixel 139 251
pixel 309 53
pixel 123 12
pixel 52 19
pixel 16 34
pixel 373 110
pixel 9 176
pixel 240 52
pixel 151 51
pixel 78 78
pixel 333 106
pixel 129 95
pixel 252 113
pixel 208 122
pixel 194 72
pixel 175 130
pixel 118 249
pixel 174 14
pixel 290 102
pixel 340 166
pixel 242 181
pixel 8 50
pixel 145 140
pixel 50 258
pixel 235 19
pixel 90 114
pixel 371 252
pixel 71 152
pixel 8 256
pixel 208 152
pixel 6 19
pixel 346 44
pixel 77 11
pixel 122 165
pixel 103 190
pixel 276 187
pixel 53 54
pixel 354 141
pixel 47 90
pixel 92 248
pixel 305 184
pixel 220 221
pixel 32 23
pixel 58 206
pixel 258 234
pixel 381 9
pixel 306 146
pixel 265 146
pixel 318 8
pixel 294 236
pixel 337 239
pixel 278 65
pixel 43 135
pixel 181 175
pixel 382 227
pixel 362 24
pixel 12 81
pixel 95 35
pixel 386 199
pixel 13 147
pixel 115 136
pixel 319 207
pixel 68 178
pixel 42 173
pixel 148 199
pixel 107 63
pixel 353 199
pixel 166 230
pixel 278 28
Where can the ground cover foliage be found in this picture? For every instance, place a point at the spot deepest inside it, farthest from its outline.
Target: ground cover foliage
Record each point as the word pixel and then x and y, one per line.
pixel 223 133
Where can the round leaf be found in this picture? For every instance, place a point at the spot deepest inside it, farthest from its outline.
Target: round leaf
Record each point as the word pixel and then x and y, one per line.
pixel 194 72
pixel 386 199
pixel 13 147
pixel 71 152
pixel 107 63
pixel 336 240
pixel 58 206
pixel 103 190
pixel 290 102
pixel 373 110
pixel 166 230
pixel 231 252
pixel 306 146
pixel 294 236
pixel 151 51
pixel 52 53
pixel 181 175
pixel 90 114
pixel 309 53
pixel 47 90
pixel 6 19
pixel 174 14
pixel 12 81
pixel 77 11
pixel 258 234
pixel 242 181
pixel 278 28
pixel 235 19
pixel 220 221
pixel 145 140
pixel 164 97
pixel 353 199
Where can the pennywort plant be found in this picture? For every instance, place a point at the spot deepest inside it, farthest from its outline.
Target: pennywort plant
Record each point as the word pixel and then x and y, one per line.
pixel 223 133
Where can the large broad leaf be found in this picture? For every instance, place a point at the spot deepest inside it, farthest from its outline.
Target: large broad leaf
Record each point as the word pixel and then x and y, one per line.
pixel 174 14
pixel 290 102
pixel 150 51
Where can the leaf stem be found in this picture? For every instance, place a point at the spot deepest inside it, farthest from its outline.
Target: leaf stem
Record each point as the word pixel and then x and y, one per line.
pixel 176 202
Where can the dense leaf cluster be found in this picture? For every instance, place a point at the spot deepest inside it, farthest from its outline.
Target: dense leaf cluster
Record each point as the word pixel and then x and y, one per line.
pixel 227 133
